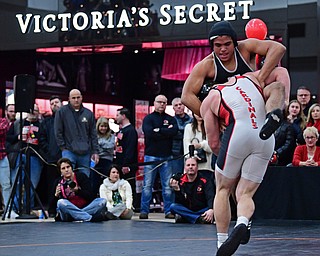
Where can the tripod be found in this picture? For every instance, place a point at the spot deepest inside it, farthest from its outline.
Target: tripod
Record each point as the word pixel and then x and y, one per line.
pixel 23 168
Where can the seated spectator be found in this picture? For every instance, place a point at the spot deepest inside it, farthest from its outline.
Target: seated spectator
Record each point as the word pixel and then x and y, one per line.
pixel 193 195
pixel 309 154
pixel 296 116
pixel 285 143
pixel 314 117
pixel 118 195
pixel 75 198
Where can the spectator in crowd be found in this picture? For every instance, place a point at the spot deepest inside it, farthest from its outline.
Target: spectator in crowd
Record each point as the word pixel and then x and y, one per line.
pixel 13 145
pixel 285 143
pixel 230 58
pixel 10 113
pixel 118 194
pixel 127 150
pixel 297 118
pixel 313 118
pixel 304 98
pixel 193 195
pixel 76 134
pixel 308 154
pixel 75 200
pixel 106 144
pixel 159 129
pixel 182 119
pixel 30 141
pixel 49 149
pixel 195 134
pixel 4 164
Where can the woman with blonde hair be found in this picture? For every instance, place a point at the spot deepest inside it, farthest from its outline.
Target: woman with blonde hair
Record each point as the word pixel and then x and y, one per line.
pixel 314 117
pixel 309 154
pixel 106 144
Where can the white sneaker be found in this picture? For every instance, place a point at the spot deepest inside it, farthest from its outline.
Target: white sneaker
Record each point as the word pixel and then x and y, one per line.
pixel 13 215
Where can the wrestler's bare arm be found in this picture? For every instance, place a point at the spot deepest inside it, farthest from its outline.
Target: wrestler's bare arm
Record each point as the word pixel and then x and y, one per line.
pixel 273 52
pixel 194 82
pixel 209 112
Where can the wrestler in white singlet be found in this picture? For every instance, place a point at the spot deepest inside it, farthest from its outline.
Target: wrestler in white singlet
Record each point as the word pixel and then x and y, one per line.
pixel 242 108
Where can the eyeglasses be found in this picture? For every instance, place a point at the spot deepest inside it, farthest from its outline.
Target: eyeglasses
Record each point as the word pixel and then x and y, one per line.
pixel 310 138
pixel 303 95
pixel 161 102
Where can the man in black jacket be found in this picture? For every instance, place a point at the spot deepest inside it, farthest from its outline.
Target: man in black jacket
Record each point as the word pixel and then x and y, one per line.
pixel 159 129
pixel 75 198
pixel 127 150
pixel 76 134
pixel 193 195
pixel 49 148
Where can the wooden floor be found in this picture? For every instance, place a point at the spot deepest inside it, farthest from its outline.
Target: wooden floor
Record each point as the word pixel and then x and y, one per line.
pixel 152 237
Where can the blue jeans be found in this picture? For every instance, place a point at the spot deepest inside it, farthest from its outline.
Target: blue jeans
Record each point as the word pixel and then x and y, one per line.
pixel 5 179
pixel 35 174
pixel 69 212
pixel 165 172
pixel 186 213
pixel 78 161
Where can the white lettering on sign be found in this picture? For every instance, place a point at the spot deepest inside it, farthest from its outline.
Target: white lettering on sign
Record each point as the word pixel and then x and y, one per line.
pixel 134 17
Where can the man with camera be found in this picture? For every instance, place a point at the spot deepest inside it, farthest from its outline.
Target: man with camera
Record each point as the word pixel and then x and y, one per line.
pixel 75 199
pixel 193 195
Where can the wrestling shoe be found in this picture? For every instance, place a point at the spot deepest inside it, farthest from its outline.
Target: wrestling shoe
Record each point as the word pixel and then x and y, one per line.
pixel 229 247
pixel 246 237
pixel 273 121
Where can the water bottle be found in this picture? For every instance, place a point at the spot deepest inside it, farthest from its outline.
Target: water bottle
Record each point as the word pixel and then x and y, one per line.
pixel 92 163
pixel 41 215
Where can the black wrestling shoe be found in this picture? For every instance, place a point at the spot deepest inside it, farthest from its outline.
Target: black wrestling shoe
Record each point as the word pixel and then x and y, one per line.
pixel 246 237
pixel 273 121
pixel 229 247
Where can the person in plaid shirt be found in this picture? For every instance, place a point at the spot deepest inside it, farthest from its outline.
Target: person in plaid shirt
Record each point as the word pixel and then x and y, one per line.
pixel 4 163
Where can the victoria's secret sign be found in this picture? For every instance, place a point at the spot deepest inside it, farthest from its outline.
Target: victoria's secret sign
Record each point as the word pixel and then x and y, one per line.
pixel 134 17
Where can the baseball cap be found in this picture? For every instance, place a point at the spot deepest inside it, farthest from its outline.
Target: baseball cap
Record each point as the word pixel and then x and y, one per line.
pixel 222 28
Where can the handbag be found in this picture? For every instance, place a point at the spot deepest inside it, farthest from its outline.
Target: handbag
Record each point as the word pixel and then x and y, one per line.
pixel 200 153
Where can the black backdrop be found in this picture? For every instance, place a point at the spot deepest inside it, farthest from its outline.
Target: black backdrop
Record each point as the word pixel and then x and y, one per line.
pixel 289 193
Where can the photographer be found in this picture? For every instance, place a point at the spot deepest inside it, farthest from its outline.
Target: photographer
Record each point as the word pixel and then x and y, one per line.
pixel 75 198
pixel 193 195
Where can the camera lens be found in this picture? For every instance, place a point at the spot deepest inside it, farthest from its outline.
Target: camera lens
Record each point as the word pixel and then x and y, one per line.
pixel 72 185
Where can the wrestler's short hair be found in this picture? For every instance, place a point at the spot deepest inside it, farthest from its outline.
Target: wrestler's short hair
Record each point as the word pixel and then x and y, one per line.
pixel 222 28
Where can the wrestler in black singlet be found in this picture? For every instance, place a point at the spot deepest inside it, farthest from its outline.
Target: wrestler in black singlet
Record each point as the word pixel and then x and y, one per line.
pixel 222 74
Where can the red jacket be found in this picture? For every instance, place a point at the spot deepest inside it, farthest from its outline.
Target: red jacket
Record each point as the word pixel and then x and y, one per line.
pixel 315 124
pixel 301 154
